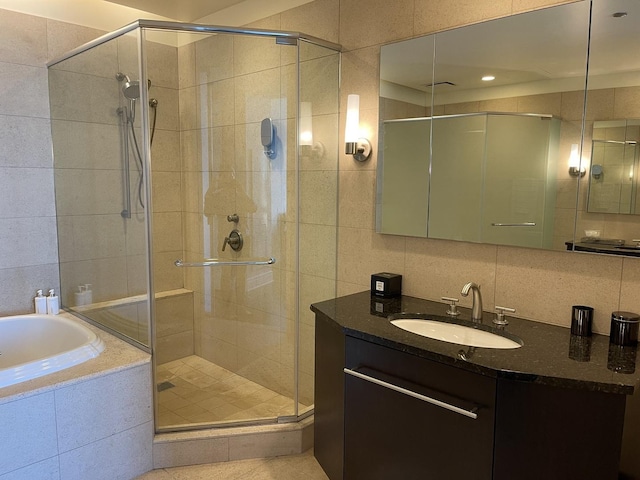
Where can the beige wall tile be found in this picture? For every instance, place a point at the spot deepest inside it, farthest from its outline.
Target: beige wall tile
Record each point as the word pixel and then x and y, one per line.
pixel 13 98
pixel 436 269
pixel 190 452
pixel 63 37
pixel 187 65
pixel 629 299
pixel 86 237
pixel 23 38
pixel 627 102
pixel 33 422
pixel 133 444
pixel 319 18
pixel 362 252
pixel 356 205
pixel 20 283
pixel 314 185
pixel 26 192
pixel 166 190
pixel 371 22
pixel 433 15
pixel 165 151
pixel 162 65
pixel 543 285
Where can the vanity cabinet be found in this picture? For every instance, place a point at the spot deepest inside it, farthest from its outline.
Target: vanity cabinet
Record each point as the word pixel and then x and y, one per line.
pixel 372 420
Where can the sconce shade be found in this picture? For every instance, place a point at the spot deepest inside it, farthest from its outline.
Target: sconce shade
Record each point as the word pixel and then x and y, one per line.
pixel 306 124
pixel 352 128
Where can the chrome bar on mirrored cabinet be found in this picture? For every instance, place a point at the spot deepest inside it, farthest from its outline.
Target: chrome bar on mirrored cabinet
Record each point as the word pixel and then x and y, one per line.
pixel 214 262
pixel 523 224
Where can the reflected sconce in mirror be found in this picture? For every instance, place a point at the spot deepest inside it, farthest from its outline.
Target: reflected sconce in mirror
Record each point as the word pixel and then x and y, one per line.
pixel 307 145
pixel 575 170
pixel 596 171
pixel 354 144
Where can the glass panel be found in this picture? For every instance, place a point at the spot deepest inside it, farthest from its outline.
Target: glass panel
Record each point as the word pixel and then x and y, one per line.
pixel 102 245
pixel 225 334
pixel 318 150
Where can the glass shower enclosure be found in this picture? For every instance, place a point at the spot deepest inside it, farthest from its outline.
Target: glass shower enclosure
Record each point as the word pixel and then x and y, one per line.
pixel 196 196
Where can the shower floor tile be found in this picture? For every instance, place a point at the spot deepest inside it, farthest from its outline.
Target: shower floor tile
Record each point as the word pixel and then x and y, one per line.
pixel 207 393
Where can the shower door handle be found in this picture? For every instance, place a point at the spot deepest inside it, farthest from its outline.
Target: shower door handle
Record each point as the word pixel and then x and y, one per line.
pixel 214 262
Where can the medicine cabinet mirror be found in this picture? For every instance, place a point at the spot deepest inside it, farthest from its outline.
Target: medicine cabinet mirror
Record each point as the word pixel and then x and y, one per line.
pixel 493 133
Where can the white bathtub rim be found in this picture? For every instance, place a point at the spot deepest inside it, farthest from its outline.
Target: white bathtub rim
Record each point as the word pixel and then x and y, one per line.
pixel 117 356
pixel 39 367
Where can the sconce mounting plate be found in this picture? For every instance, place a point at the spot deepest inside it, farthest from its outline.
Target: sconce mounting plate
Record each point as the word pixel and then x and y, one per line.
pixel 361 150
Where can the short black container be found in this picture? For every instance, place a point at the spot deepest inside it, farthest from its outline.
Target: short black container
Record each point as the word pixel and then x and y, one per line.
pixel 581 320
pixel 385 284
pixel 624 328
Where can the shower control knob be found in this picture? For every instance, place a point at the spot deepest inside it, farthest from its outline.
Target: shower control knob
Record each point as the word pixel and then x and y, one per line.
pixel 234 240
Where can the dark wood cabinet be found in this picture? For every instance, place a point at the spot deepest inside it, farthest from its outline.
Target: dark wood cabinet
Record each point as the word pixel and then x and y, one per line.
pixel 372 420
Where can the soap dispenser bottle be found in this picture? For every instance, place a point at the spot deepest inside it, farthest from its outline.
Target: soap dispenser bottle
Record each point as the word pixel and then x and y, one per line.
pixel 40 302
pixel 53 304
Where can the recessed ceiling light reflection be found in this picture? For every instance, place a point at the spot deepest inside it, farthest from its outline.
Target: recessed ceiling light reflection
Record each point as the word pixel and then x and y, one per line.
pixel 488 78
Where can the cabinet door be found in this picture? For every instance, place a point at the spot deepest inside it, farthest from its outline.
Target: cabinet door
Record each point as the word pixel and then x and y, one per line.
pixel 392 432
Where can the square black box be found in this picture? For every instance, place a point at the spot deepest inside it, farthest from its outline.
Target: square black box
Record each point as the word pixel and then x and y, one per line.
pixel 386 284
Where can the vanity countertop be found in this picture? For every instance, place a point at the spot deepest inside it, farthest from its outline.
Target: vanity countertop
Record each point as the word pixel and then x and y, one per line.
pixel 550 354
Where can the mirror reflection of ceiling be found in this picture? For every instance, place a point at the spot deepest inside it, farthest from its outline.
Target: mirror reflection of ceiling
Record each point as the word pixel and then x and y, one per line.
pixel 109 15
pixel 517 60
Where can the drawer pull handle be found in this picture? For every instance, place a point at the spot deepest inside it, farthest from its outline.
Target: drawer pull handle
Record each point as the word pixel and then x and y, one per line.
pixel 432 401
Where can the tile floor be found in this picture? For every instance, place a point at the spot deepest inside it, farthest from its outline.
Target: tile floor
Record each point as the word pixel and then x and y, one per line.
pixel 294 467
pixel 194 390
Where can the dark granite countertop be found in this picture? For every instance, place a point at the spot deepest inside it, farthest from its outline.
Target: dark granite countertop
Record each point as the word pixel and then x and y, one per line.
pixel 550 354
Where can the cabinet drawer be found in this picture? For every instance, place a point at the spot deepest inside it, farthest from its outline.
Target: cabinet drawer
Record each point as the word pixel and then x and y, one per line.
pixel 407 417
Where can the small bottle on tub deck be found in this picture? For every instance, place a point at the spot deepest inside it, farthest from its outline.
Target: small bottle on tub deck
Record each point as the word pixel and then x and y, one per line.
pixel 40 302
pixel 53 304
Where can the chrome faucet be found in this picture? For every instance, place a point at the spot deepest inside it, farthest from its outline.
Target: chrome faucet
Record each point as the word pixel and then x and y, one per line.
pixel 476 312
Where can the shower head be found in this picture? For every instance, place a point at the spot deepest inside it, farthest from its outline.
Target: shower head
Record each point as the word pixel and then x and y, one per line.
pixel 131 89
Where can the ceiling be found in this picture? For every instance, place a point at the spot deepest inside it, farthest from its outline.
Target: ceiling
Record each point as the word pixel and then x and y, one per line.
pixel 183 10
pixel 109 15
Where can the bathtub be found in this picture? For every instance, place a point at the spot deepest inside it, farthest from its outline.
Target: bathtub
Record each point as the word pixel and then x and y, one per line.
pixel 35 345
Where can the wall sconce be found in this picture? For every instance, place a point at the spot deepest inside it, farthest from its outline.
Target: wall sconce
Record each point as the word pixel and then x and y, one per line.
pixel 307 145
pixel 355 145
pixel 574 162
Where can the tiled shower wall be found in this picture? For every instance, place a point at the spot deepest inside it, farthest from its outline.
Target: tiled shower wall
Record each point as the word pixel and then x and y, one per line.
pixel 28 246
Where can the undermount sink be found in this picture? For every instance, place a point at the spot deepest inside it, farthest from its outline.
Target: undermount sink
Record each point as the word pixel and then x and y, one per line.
pixel 456 333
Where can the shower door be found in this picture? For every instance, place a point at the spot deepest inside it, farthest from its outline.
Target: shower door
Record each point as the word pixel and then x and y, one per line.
pixel 227 329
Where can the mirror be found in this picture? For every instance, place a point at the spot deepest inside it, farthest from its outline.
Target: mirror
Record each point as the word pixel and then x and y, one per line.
pixel 480 125
pixel 614 167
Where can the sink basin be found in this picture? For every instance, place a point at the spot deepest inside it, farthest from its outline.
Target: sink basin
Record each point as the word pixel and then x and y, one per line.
pixel 455 333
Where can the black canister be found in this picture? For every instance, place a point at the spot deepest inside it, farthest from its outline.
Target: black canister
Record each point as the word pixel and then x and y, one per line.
pixel 581 320
pixel 624 328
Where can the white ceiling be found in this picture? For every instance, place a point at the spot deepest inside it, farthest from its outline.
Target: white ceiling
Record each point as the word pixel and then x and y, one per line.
pixel 109 15
pixel 183 10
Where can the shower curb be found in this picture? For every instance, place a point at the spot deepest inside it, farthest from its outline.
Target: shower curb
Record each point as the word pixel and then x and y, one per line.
pixel 228 444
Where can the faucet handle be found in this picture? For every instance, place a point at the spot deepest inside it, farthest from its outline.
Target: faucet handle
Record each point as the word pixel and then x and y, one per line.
pixel 499 318
pixel 453 307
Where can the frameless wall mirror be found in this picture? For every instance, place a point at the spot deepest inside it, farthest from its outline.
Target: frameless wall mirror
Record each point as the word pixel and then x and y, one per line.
pixel 481 128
